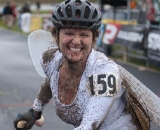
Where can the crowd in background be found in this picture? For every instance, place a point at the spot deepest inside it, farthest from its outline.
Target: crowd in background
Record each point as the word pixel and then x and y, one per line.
pixel 11 13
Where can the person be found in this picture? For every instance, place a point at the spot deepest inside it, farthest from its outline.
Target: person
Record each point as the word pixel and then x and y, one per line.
pixel 89 90
pixel 14 10
pixel 38 5
pixel 7 15
pixel 25 8
pixel 24 15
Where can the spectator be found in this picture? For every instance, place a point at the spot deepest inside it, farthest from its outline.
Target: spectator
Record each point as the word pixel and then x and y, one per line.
pixel 38 4
pixel 7 15
pixel 25 8
pixel 14 11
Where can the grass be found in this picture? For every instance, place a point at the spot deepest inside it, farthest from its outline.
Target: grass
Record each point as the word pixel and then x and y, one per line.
pixel 13 28
pixel 43 12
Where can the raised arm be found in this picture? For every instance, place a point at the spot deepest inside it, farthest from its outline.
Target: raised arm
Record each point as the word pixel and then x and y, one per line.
pixel 96 111
pixel 35 112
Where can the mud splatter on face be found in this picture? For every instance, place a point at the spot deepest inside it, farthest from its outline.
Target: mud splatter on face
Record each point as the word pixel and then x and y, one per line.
pixel 75 44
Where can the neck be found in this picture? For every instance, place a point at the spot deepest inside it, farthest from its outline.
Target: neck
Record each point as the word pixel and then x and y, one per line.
pixel 74 68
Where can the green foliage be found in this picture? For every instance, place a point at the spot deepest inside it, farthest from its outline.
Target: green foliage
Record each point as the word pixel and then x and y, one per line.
pixel 13 28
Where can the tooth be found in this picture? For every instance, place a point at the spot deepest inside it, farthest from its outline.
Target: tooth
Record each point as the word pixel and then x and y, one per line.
pixel 74 49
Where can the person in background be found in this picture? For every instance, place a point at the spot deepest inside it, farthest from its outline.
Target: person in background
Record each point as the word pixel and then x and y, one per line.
pixel 14 10
pixel 7 15
pixel 25 8
pixel 86 86
pixel 38 5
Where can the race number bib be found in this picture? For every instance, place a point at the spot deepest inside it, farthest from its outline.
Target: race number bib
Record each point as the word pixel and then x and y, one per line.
pixel 103 84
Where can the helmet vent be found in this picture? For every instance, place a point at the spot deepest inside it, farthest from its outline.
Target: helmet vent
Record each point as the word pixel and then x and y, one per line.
pixel 88 3
pixel 60 12
pixel 67 1
pixel 86 12
pixel 78 3
pixel 78 13
pixel 69 11
pixel 95 14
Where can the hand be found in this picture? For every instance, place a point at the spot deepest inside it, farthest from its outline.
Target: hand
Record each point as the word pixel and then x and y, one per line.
pixel 29 117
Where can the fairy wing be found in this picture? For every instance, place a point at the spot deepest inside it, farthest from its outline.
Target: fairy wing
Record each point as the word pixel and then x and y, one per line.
pixel 145 103
pixel 38 42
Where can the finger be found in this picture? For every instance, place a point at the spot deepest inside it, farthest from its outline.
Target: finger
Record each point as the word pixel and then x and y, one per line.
pixel 21 124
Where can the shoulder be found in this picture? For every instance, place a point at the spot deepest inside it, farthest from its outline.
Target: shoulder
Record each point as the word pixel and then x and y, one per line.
pixel 50 61
pixel 100 63
pixel 48 55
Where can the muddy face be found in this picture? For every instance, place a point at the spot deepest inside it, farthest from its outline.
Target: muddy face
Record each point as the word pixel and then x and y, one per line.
pixel 75 44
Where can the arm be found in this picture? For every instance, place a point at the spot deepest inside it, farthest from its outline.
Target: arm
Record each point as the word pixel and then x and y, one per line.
pixel 105 88
pixel 96 111
pixel 44 95
pixel 35 112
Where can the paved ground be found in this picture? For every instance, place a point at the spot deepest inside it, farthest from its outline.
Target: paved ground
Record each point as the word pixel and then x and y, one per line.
pixel 19 83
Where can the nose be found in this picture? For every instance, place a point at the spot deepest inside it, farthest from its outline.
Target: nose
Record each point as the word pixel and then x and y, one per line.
pixel 77 39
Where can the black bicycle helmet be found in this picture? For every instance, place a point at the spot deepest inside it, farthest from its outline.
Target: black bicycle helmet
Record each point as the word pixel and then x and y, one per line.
pixel 76 14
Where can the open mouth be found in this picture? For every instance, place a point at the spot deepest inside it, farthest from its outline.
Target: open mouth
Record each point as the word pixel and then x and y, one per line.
pixel 75 49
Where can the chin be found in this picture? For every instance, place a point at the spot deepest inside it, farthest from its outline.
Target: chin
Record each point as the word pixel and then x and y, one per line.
pixel 74 60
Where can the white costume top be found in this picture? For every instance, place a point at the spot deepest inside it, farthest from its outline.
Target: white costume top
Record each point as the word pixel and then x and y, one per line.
pixel 90 110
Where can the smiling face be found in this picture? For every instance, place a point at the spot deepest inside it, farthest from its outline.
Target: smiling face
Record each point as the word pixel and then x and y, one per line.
pixel 75 44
